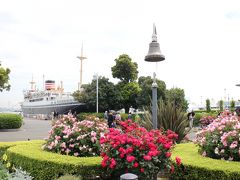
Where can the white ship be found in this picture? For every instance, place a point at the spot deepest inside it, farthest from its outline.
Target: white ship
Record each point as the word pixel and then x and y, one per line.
pixel 42 103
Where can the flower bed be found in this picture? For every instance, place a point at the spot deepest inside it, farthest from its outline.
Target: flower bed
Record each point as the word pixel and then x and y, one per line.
pixel 78 138
pixel 47 165
pixel 206 120
pixel 221 138
pixel 134 149
pixel 195 166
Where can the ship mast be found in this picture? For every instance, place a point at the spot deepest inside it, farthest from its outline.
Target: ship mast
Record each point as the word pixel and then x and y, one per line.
pixel 81 59
pixel 32 84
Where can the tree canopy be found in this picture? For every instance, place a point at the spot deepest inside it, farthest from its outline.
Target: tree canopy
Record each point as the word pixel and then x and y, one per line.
pixel 4 79
pixel 108 95
pixel 125 69
pixel 177 96
pixel 127 92
pixel 145 95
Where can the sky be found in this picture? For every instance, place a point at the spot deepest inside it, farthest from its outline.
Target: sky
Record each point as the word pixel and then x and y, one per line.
pixel 200 40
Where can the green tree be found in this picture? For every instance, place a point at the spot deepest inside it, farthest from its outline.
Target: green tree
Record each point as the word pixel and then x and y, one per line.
pixel 221 105
pixel 4 78
pixel 108 95
pixel 128 94
pixel 232 105
pixel 177 95
pixel 145 95
pixel 208 105
pixel 125 69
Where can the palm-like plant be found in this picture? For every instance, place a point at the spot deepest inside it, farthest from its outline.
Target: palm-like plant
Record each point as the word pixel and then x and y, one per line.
pixel 169 117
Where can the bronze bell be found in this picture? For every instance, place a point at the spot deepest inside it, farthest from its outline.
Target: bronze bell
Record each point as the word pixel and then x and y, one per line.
pixel 154 53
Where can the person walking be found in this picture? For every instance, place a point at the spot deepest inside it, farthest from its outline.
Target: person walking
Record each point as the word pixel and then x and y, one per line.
pixel 106 115
pixel 110 120
pixel 130 115
pixel 190 118
pixel 118 118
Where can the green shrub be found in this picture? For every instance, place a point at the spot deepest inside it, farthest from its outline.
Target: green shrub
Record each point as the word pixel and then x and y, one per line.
pixel 46 165
pixel 232 105
pixel 221 105
pixel 208 105
pixel 197 118
pixel 124 116
pixel 5 145
pixel 169 116
pixel 195 166
pixel 3 173
pixel 200 115
pixel 10 121
pixel 204 111
pixel 83 116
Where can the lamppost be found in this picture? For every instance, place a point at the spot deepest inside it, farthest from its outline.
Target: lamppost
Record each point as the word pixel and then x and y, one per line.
pixel 96 77
pixel 154 55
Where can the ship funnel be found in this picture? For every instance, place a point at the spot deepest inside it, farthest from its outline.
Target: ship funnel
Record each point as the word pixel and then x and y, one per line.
pixel 49 85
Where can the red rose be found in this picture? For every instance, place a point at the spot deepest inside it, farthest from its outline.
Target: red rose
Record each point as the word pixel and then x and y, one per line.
pixel 130 158
pixel 142 170
pixel 172 169
pixel 103 164
pixel 167 145
pixel 113 163
pixel 129 150
pixel 135 164
pixel 122 155
pixel 147 158
pixel 153 153
pixel 168 154
pixel 178 161
pixel 102 140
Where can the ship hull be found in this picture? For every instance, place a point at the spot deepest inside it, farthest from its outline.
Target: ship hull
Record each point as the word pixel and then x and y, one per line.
pixel 48 109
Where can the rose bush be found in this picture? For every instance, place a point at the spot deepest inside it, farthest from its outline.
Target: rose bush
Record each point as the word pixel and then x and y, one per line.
pixel 77 138
pixel 134 149
pixel 221 138
pixel 206 120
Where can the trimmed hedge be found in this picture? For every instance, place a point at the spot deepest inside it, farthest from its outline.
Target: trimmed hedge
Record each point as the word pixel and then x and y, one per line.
pixel 82 116
pixel 46 165
pixel 194 166
pixel 3 173
pixel 10 121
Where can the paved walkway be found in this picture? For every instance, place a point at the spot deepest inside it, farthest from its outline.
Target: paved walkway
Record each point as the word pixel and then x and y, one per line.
pixel 192 134
pixel 35 129
pixel 32 129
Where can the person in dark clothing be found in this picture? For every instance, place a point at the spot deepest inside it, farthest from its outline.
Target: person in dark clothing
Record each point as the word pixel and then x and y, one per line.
pixel 110 120
pixel 130 115
pixel 54 114
pixel 75 114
